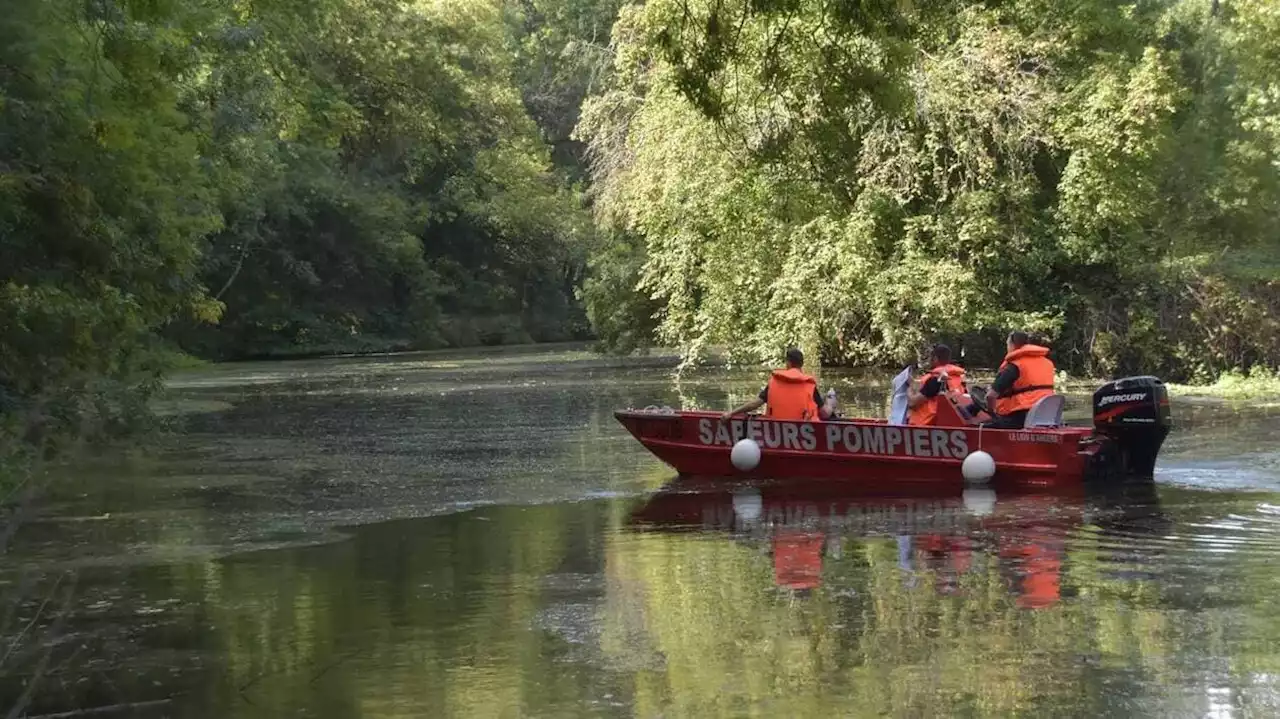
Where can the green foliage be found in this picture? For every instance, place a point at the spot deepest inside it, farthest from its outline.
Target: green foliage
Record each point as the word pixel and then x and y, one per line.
pixel 387 187
pixel 562 54
pixel 623 319
pixel 278 178
pixel 867 182
pixel 1258 383
pixel 102 200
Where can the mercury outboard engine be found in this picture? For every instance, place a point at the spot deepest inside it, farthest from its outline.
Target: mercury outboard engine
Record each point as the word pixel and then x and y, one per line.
pixel 1134 413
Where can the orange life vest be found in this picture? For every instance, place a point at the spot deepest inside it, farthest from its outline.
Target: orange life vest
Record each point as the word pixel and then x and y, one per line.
pixel 925 412
pixel 1035 379
pixel 791 395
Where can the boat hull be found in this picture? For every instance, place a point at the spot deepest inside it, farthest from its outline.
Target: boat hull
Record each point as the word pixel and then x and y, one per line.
pixel 870 452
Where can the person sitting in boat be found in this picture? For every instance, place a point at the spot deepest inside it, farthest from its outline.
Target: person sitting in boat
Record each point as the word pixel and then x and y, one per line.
pixel 943 380
pixel 1026 376
pixel 790 394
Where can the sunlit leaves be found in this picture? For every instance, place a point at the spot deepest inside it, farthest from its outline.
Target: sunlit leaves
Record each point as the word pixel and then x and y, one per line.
pixel 869 182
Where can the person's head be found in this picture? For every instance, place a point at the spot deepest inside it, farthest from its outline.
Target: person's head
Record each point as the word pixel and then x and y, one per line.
pixel 1017 339
pixel 940 355
pixel 795 358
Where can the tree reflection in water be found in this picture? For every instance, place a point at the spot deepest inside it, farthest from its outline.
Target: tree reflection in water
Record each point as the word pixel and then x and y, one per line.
pixel 718 601
pixel 910 606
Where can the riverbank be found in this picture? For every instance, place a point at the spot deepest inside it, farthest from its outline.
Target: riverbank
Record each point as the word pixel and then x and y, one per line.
pixel 1259 384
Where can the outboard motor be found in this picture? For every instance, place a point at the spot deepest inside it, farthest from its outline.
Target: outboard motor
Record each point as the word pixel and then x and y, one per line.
pixel 1134 412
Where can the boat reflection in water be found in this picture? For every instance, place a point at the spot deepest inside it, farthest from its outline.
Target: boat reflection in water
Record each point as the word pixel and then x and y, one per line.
pixel 940 537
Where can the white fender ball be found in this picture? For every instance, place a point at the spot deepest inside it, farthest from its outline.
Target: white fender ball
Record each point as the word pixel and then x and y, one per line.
pixel 978 467
pixel 745 455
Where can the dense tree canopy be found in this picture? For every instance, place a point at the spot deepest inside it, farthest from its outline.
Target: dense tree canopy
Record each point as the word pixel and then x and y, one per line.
pixel 275 177
pixel 272 177
pixel 865 177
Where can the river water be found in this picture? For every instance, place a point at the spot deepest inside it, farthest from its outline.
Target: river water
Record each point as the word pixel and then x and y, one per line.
pixel 473 535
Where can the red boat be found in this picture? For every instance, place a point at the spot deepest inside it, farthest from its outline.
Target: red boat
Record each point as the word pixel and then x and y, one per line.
pixel 1131 419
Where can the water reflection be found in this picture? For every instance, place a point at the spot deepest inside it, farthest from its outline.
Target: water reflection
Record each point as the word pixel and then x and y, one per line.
pixel 714 601
pixel 809 601
pixel 550 583
pixel 804 526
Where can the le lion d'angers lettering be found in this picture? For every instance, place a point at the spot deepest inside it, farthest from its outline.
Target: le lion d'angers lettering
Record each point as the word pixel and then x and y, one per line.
pixel 838 437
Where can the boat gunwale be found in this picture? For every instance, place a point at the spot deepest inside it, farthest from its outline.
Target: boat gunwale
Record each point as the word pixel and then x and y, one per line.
pixel 1065 430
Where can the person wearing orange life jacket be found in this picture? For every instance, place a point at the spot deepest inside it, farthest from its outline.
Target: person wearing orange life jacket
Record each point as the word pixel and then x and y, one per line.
pixel 1025 377
pixel 790 394
pixel 922 403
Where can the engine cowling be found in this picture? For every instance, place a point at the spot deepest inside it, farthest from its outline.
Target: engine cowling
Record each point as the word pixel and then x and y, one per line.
pixel 1134 412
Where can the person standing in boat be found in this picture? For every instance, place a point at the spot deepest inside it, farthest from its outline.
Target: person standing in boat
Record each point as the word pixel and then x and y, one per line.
pixel 1026 376
pixel 790 394
pixel 943 379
